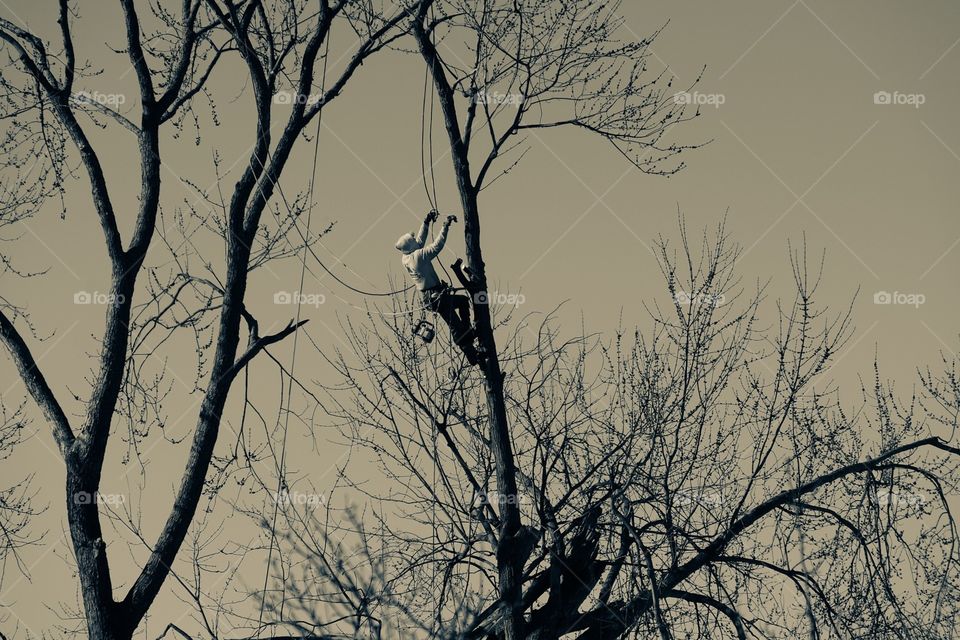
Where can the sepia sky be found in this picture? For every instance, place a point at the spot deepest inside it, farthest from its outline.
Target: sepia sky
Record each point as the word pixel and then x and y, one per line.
pixel 803 148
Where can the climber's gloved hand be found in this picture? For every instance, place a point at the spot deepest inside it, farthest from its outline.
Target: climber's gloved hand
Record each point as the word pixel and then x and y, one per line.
pixel 432 216
pixel 451 219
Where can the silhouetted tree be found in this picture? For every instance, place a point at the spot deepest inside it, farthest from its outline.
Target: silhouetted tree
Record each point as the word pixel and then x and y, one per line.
pixel 702 478
pixel 280 49
pixel 504 68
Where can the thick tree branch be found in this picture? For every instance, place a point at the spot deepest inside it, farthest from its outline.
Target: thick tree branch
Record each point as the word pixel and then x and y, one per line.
pixel 36 384
pixel 725 609
pixel 608 620
pixel 136 55
pixel 258 344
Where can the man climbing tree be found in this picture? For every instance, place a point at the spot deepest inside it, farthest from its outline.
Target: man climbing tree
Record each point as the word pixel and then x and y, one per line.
pixel 437 295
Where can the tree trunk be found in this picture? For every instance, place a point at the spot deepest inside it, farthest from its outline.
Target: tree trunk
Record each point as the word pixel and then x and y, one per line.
pixel 509 559
pixel 84 464
pixel 96 590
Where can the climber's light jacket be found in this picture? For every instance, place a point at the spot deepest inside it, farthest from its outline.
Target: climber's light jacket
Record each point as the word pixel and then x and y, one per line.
pixel 418 259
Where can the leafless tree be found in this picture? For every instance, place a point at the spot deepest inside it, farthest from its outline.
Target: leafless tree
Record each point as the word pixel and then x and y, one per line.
pixel 531 66
pixel 703 478
pixel 502 69
pixel 16 508
pixel 279 48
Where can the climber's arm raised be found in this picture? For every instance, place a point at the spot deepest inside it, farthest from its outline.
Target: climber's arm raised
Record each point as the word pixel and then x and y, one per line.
pixel 421 236
pixel 432 250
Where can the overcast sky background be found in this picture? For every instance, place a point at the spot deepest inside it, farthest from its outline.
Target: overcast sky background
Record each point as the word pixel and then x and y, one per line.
pixel 799 149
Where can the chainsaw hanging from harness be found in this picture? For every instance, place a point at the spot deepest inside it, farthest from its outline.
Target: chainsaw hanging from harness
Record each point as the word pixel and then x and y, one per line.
pixel 438 296
pixel 424 330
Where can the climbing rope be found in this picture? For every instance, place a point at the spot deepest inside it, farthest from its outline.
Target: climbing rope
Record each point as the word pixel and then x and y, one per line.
pixel 426 141
pixel 281 469
pixel 431 192
pixel 426 148
pixel 332 274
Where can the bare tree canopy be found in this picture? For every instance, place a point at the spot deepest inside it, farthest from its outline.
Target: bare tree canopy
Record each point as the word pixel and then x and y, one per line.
pixel 695 473
pixel 701 479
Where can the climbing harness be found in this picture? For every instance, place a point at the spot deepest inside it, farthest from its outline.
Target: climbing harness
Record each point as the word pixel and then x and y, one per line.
pixel 423 328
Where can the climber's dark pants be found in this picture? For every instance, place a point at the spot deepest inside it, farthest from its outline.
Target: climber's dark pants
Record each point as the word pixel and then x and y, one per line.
pixel 455 311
